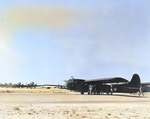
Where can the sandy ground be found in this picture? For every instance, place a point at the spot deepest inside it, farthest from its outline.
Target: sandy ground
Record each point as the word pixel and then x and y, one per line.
pixel 71 105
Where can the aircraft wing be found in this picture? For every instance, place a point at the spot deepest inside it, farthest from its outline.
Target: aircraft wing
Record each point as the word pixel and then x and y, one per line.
pixel 145 84
pixel 108 80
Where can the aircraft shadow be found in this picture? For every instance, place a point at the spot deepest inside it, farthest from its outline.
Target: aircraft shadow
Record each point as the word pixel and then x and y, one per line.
pixel 134 96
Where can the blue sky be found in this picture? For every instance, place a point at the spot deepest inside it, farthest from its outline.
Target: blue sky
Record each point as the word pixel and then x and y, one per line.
pixel 49 41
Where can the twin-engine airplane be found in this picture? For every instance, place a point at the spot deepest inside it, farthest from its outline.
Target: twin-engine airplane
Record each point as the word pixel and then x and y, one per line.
pixel 106 85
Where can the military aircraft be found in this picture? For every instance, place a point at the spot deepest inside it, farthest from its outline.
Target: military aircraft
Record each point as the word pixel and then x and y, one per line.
pixel 31 85
pixel 105 85
pixel 18 85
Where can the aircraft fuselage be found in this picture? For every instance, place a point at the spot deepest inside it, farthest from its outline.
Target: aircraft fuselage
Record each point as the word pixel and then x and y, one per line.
pixel 105 86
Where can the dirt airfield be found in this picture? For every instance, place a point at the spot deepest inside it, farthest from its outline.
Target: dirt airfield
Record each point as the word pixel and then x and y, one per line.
pixel 63 104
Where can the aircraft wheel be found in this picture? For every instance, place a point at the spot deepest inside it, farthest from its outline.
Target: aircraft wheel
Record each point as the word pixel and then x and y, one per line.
pixel 82 93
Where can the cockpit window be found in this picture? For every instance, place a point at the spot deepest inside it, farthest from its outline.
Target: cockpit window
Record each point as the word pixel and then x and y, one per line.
pixel 70 80
pixel 71 77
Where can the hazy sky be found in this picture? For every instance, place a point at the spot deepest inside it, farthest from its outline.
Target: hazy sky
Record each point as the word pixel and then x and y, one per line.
pixel 47 41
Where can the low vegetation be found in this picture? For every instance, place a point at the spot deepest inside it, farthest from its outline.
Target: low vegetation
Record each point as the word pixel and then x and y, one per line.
pixel 37 91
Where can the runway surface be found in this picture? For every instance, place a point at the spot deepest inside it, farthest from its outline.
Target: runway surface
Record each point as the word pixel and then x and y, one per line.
pixel 72 98
pixel 74 106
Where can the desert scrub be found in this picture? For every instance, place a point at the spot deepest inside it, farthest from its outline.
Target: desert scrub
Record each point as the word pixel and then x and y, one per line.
pixel 16 108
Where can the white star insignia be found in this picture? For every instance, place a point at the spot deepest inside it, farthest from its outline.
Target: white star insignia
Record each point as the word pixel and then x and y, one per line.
pixel 115 89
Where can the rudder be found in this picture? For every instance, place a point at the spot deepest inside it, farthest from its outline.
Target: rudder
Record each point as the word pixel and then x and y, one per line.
pixel 135 81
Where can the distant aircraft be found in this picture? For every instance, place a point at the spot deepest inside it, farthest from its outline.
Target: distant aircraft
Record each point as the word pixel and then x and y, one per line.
pixel 106 85
pixel 31 85
pixel 18 85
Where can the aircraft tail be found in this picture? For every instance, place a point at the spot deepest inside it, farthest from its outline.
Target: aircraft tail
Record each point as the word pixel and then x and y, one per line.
pixel 135 81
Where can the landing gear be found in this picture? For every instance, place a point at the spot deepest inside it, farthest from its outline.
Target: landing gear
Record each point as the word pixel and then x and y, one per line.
pixel 111 93
pixel 82 93
pixel 107 93
pixel 111 90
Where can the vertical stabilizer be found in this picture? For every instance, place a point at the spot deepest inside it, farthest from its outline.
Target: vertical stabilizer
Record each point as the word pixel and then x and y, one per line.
pixel 135 81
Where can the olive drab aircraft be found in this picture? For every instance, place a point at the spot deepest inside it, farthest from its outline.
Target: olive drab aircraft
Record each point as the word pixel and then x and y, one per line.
pixel 106 85
pixel 31 85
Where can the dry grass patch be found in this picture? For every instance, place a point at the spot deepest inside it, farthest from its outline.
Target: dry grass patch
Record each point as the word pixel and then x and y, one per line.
pixel 33 91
